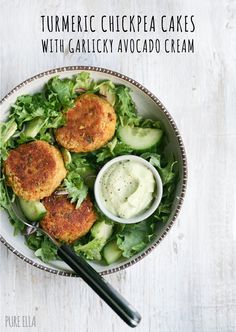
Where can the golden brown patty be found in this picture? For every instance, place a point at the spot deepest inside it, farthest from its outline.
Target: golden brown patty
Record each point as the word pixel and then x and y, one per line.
pixel 64 222
pixel 89 125
pixel 34 170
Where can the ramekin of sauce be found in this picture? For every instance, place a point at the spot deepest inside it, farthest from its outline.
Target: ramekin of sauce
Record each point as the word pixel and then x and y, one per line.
pixel 128 189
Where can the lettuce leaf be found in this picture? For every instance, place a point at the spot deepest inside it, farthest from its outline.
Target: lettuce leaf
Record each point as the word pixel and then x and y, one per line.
pixel 169 176
pixel 3 197
pixel 107 89
pixel 5 204
pixel 167 172
pixel 80 176
pixel 149 123
pixel 125 107
pixel 42 247
pixel 83 82
pixel 135 237
pixel 62 90
pixel 92 249
pixel 7 130
pixel 113 149
pixel 75 186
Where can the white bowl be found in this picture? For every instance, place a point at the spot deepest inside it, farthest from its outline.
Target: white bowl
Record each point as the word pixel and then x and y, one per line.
pixel 142 216
pixel 148 105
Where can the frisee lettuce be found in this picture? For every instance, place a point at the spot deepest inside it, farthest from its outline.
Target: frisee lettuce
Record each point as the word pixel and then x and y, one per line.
pixel 125 107
pixel 166 172
pixel 79 178
pixel 42 246
pixel 83 83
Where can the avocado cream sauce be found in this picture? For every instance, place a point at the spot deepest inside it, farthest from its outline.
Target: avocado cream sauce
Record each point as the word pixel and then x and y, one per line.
pixel 127 188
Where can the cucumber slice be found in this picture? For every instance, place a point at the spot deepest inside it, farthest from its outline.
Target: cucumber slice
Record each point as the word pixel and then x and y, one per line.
pixel 139 138
pixel 33 127
pixel 111 252
pixel 101 230
pixel 33 210
pixel 66 156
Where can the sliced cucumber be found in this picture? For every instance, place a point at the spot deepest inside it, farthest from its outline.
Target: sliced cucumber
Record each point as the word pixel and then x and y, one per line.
pixel 33 210
pixel 101 230
pixel 139 138
pixel 111 252
pixel 66 156
pixel 33 127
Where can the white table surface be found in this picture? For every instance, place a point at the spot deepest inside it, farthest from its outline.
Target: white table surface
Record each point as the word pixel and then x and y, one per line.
pixel 189 282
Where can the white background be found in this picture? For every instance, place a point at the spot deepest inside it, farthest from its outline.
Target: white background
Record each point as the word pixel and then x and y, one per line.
pixel 189 282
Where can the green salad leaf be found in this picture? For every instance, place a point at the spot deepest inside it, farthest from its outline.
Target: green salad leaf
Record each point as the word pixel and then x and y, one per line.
pixel 5 204
pixel 83 167
pixel 76 188
pixel 167 172
pixel 149 123
pixel 169 176
pixel 113 149
pixel 3 197
pixel 83 82
pixel 81 175
pixel 42 246
pixel 125 107
pixel 61 90
pixel 107 89
pixel 7 130
pixel 135 237
pixel 92 249
pixel 27 108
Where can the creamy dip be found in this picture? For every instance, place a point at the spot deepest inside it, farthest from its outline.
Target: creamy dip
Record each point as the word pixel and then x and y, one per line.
pixel 127 188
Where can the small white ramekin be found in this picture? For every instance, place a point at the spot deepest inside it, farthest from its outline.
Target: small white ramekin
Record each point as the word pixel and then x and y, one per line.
pixel 147 213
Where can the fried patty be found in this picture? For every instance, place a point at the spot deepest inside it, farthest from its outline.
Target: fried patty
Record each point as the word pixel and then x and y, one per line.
pixel 89 124
pixel 64 222
pixel 34 170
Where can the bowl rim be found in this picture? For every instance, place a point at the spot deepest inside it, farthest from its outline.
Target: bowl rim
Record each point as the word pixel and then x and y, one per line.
pixel 181 146
pixel 154 203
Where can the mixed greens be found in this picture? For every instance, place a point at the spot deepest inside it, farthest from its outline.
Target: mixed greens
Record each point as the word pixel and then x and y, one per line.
pixel 35 117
